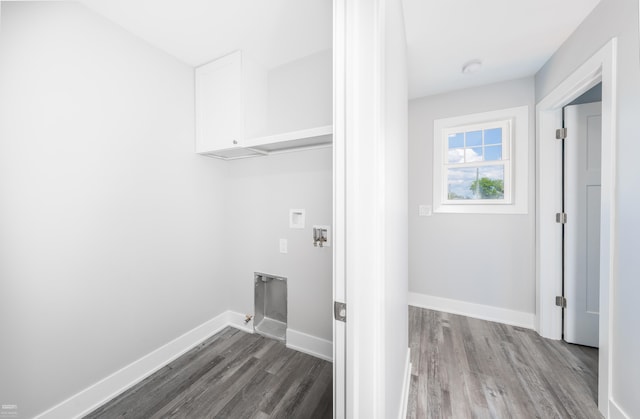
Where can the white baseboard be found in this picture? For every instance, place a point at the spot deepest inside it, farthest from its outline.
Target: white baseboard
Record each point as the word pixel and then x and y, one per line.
pixel 309 344
pixel 406 385
pixel 616 412
pixel 106 389
pixel 296 340
pixel 478 311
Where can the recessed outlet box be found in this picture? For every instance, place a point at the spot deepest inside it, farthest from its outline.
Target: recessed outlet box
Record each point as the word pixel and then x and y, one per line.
pixel 321 236
pixel 296 218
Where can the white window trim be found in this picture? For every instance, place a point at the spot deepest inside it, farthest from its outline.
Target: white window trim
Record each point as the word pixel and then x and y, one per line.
pixel 517 184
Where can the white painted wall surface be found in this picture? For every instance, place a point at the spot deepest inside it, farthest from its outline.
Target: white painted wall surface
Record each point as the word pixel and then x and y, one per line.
pixel 109 222
pixel 395 282
pixel 615 18
pixel 261 191
pixel 300 94
pixel 484 259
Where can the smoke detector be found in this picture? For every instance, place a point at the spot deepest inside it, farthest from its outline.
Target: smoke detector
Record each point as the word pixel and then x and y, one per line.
pixel 472 66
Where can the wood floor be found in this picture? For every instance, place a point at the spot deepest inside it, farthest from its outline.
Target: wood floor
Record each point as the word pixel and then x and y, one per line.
pixel 231 375
pixel 461 368
pixel 469 368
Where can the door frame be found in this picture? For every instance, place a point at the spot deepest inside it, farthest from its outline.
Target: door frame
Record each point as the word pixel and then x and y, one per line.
pixel 339 207
pixel 601 67
pixel 359 152
pixel 370 209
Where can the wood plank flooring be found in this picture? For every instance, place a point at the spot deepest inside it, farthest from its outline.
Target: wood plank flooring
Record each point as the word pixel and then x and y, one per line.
pixel 231 375
pixel 461 368
pixel 469 368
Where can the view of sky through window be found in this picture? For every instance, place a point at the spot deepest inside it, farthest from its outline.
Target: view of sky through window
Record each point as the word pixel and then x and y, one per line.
pixel 481 181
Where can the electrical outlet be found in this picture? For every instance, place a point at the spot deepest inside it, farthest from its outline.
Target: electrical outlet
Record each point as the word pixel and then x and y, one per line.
pixel 283 246
pixel 424 210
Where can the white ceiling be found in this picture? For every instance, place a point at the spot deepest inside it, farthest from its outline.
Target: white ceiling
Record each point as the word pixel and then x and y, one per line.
pixel 272 32
pixel 513 38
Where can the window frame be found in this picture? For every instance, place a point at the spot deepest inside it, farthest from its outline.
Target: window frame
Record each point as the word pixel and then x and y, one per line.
pixel 514 160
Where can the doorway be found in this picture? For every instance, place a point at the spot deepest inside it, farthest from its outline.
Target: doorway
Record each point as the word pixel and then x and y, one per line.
pixel 601 67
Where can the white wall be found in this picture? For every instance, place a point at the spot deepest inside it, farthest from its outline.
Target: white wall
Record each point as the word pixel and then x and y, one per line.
pixel 476 258
pixel 396 316
pixel 109 231
pixel 615 18
pixel 300 94
pixel 261 192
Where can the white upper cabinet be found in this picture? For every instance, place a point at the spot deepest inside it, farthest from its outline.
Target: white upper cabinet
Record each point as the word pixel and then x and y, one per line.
pixel 230 105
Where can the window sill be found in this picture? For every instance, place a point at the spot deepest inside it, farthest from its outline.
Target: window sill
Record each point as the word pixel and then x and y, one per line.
pixel 480 209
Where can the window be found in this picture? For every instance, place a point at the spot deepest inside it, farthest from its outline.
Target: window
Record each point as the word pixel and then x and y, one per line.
pixel 477 163
pixel 480 162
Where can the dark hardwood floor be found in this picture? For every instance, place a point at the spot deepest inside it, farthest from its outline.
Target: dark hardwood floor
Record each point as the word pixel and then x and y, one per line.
pixel 231 375
pixel 469 368
pixel 461 368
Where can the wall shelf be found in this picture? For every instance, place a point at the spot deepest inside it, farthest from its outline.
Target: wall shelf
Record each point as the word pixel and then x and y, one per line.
pixel 295 140
pixel 244 110
pixel 305 139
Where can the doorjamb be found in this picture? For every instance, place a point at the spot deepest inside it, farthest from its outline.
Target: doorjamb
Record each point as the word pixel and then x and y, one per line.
pixel 600 67
pixel 339 208
pixel 359 234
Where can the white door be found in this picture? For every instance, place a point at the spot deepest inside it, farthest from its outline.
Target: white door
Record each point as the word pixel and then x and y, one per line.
pixel 582 231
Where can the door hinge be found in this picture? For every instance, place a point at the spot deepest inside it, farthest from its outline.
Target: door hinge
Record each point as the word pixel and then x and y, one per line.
pixel 340 311
pixel 561 301
pixel 561 133
pixel 561 217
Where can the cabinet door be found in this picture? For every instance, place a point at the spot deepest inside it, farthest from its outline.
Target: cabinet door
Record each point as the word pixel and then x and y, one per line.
pixel 218 104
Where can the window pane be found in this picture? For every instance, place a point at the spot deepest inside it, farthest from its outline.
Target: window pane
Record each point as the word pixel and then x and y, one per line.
pixel 459 183
pixel 493 152
pixel 485 182
pixel 489 183
pixel 473 154
pixel 493 136
pixel 456 140
pixel 456 155
pixel 474 138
